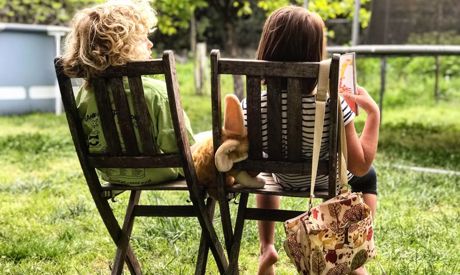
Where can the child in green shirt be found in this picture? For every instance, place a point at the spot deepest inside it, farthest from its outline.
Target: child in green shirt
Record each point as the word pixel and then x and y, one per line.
pixel 113 34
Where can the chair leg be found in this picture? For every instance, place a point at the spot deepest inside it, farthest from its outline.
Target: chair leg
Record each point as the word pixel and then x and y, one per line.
pixel 237 235
pixel 203 251
pixel 202 259
pixel 132 263
pixel 112 225
pixel 224 210
pixel 208 229
pixel 123 242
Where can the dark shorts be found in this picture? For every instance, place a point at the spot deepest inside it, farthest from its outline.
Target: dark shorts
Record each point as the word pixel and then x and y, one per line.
pixel 366 184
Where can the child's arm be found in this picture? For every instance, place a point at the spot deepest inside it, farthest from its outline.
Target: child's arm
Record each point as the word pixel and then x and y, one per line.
pixel 362 150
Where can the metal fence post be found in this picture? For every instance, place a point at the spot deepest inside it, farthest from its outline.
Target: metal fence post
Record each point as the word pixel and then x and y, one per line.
pixel 383 69
pixel 355 28
pixel 436 79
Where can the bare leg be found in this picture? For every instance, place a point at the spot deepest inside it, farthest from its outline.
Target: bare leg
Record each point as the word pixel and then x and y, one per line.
pixel 371 201
pixel 268 255
pixel 360 271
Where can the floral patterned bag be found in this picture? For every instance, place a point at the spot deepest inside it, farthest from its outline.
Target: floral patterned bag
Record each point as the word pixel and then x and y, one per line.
pixel 335 237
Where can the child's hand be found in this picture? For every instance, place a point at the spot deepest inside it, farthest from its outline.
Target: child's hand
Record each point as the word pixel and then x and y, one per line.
pixel 364 100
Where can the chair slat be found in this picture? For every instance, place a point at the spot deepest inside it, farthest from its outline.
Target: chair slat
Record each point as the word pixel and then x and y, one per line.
pixel 134 68
pixel 267 69
pixel 125 121
pixel 294 119
pixel 216 99
pixel 333 133
pixel 254 122
pixel 72 115
pixel 169 160
pixel 274 88
pixel 282 166
pixel 177 115
pixel 165 211
pixel 149 146
pixel 272 188
pixel 216 139
pixel 179 184
pixel 104 107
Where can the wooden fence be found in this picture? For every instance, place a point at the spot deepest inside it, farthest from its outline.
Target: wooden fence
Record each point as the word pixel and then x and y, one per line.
pixel 385 51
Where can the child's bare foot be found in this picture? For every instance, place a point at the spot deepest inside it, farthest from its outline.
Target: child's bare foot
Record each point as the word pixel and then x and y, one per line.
pixel 268 257
pixel 360 271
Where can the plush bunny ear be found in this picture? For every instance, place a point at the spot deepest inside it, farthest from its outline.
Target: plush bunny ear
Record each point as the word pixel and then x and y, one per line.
pixel 233 119
pixel 223 157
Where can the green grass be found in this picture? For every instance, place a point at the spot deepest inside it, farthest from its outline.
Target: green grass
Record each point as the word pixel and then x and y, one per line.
pixel 49 224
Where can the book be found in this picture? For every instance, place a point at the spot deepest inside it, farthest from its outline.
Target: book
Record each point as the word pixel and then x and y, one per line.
pixel 347 78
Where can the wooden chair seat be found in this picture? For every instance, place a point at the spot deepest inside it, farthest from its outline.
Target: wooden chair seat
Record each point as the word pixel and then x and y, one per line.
pixel 173 185
pixel 272 188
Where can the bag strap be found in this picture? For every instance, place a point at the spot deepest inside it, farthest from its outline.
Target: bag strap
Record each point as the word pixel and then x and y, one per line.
pixel 320 109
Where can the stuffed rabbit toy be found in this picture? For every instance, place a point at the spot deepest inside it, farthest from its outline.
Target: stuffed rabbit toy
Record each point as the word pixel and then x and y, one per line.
pixel 234 148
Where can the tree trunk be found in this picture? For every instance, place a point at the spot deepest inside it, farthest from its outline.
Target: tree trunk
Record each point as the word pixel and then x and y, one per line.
pixel 199 57
pixel 232 50
pixel 200 68
pixel 192 33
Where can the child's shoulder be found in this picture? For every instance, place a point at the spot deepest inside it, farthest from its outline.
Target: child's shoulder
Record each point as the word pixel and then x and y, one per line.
pixel 152 83
pixel 155 89
pixel 85 94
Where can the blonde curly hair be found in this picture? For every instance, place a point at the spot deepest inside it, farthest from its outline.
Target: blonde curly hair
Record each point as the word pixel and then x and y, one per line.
pixel 106 35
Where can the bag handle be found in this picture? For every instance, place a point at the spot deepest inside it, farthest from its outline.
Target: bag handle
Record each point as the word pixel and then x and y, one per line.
pixel 320 109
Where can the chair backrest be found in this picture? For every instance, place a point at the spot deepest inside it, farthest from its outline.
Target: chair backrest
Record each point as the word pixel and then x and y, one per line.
pixel 277 76
pixel 123 149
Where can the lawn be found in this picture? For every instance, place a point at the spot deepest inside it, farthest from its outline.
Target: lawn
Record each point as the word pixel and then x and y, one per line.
pixel 49 225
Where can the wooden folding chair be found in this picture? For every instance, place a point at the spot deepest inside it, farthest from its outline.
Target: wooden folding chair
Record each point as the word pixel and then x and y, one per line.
pixel 274 75
pixel 109 92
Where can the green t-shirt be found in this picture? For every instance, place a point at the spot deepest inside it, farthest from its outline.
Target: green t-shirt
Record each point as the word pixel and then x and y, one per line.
pixel 156 98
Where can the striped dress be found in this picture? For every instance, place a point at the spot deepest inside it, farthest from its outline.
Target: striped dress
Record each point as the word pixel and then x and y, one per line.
pixel 297 182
